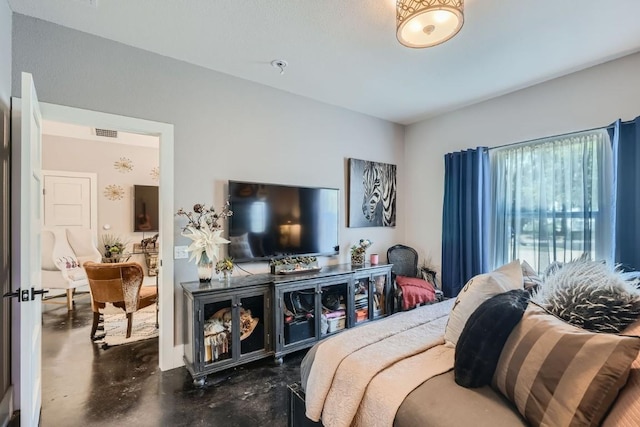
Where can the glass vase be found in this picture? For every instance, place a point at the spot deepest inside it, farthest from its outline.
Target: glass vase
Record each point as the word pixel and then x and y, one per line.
pixel 224 276
pixel 357 259
pixel 205 269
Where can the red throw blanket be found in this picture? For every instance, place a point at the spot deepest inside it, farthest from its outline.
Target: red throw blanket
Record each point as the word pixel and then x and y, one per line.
pixel 415 291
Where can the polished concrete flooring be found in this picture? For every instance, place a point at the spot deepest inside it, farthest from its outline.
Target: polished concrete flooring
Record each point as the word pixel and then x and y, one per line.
pixel 86 385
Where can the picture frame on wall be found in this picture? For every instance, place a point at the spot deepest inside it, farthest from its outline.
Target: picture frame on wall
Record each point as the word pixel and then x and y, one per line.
pixel 372 194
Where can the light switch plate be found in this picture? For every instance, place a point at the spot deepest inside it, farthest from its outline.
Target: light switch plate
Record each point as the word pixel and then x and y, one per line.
pixel 180 252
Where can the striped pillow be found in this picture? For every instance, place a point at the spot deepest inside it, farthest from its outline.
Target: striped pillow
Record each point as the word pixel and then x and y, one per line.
pixel 625 412
pixel 560 375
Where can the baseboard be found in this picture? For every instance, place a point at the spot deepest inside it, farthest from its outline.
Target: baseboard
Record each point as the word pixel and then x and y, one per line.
pixel 6 407
pixel 176 359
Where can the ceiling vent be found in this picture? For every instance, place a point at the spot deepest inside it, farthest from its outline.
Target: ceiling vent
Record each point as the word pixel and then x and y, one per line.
pixel 107 133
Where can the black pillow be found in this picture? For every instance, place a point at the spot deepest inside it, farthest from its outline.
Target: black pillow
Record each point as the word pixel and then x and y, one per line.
pixel 484 336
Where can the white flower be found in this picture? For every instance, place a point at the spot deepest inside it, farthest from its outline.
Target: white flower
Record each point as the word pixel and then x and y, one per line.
pixel 205 241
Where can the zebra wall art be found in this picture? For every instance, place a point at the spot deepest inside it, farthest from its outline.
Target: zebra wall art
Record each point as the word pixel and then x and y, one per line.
pixel 372 194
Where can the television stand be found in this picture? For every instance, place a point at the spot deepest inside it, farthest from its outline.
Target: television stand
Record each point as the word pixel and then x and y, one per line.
pixel 252 317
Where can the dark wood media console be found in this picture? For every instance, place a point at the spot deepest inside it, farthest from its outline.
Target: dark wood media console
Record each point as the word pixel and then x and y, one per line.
pixel 252 317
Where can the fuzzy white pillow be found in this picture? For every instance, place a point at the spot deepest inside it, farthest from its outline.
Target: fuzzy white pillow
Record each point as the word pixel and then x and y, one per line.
pixel 477 290
pixel 591 295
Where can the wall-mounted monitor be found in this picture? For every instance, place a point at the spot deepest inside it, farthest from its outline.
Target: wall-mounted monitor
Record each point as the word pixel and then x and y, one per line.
pixel 145 203
pixel 274 221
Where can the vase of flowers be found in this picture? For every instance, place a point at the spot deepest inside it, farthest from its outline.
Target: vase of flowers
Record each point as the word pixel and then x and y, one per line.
pixel 359 251
pixel 114 248
pixel 224 268
pixel 205 232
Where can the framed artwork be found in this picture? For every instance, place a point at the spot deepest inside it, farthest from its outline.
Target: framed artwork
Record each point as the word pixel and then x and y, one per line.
pixel 372 194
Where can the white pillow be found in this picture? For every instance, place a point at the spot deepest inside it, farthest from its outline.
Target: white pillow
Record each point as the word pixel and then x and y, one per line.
pixel 477 290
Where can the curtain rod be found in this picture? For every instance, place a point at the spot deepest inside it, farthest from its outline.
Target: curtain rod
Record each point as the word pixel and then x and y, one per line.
pixel 547 137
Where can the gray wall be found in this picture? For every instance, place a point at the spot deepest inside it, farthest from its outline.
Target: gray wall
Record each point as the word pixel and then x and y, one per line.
pixel 225 128
pixel 590 98
pixel 5 284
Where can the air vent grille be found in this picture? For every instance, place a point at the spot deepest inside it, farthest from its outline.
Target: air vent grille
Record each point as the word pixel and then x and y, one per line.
pixel 107 133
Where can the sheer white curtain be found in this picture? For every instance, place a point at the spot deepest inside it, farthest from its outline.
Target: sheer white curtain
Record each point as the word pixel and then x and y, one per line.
pixel 552 200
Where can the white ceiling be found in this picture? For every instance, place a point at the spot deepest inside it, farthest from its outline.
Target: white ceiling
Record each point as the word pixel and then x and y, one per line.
pixel 344 52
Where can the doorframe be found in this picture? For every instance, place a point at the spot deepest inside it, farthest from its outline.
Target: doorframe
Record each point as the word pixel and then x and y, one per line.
pixel 93 184
pixel 170 351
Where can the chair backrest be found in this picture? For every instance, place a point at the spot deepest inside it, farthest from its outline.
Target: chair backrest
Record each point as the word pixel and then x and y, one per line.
pixel 81 241
pixel 404 260
pixel 115 282
pixel 62 253
pixel 46 249
pixel 67 248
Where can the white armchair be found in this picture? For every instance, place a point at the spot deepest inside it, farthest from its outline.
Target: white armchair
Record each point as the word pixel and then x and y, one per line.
pixel 64 250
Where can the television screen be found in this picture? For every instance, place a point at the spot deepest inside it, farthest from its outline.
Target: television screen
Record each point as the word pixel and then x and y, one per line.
pixel 274 221
pixel 145 207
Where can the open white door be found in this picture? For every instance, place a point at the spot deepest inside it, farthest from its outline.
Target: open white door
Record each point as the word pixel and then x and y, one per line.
pixel 29 302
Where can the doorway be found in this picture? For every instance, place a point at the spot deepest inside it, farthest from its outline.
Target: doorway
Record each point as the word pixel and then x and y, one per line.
pixel 170 354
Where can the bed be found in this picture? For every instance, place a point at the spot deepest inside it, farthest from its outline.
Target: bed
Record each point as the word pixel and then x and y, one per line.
pixel 388 359
pixel 399 372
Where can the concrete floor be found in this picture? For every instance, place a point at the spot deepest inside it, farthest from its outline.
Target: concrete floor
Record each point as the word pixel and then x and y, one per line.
pixel 85 385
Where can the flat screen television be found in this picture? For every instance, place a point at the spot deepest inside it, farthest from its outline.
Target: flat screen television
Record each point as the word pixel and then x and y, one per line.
pixel 273 221
pixel 145 208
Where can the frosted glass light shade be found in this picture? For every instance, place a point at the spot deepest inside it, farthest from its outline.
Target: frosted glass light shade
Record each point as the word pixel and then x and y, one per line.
pixel 426 23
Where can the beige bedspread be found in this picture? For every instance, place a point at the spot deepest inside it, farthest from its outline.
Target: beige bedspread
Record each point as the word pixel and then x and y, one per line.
pixel 361 376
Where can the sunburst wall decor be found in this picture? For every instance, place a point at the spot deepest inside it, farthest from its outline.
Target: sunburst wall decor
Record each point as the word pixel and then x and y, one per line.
pixel 113 192
pixel 123 165
pixel 155 173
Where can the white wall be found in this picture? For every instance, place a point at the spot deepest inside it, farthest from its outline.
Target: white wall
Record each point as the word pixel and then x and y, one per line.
pixel 225 128
pixel 586 99
pixel 5 94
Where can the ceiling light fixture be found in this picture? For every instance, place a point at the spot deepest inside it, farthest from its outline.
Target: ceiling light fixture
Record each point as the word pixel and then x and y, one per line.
pixel 426 23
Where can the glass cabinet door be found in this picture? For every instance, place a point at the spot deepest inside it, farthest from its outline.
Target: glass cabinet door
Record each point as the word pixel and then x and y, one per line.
pixel 379 291
pixel 361 299
pixel 252 321
pixel 334 308
pixel 298 313
pixel 218 331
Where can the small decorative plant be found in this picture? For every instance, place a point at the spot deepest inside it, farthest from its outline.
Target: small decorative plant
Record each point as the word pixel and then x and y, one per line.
pixel 114 245
pixel 293 263
pixel 224 266
pixel 293 260
pixel 361 247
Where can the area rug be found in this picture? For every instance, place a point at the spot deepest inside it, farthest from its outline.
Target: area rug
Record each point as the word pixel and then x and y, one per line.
pixel 115 326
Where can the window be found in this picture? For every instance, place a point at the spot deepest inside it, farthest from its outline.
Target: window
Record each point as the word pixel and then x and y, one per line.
pixel 552 200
